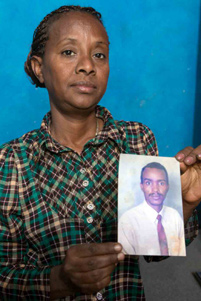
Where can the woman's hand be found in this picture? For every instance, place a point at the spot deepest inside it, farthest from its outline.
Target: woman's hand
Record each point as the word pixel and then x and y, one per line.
pixel 86 268
pixel 190 165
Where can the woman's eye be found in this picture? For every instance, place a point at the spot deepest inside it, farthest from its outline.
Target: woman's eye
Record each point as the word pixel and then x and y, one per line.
pixel 100 55
pixel 68 52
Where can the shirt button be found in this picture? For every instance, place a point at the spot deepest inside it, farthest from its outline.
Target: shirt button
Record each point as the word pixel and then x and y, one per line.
pixel 90 205
pixel 85 183
pixel 89 220
pixel 99 296
pixel 82 170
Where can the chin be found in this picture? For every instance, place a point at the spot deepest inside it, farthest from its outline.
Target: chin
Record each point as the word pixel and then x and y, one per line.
pixel 84 105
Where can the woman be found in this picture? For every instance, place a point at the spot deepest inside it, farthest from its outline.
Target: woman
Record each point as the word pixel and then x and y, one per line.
pixel 59 183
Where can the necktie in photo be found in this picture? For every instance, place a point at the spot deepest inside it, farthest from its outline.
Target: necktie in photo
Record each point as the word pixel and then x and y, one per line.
pixel 162 237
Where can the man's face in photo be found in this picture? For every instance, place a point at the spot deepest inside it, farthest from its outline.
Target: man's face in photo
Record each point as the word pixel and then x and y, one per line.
pixel 155 187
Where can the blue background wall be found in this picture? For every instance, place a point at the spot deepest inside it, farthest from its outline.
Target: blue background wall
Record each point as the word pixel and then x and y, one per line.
pixel 155 67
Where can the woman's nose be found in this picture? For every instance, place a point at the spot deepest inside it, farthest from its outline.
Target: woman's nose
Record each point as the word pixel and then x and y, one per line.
pixel 86 65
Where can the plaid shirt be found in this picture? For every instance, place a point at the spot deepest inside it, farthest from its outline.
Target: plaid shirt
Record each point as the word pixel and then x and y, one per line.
pixel 52 198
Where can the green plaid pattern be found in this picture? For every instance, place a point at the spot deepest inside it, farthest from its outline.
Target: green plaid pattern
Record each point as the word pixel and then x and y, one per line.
pixel 45 192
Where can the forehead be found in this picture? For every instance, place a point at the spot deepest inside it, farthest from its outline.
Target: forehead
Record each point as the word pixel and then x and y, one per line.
pixel 77 24
pixel 154 174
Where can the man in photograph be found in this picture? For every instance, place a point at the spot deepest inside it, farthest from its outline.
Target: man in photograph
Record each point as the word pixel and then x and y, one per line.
pixel 152 228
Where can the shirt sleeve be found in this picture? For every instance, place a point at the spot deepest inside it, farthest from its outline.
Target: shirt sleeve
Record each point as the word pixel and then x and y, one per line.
pixel 139 139
pixel 125 235
pixel 191 228
pixel 150 142
pixel 20 277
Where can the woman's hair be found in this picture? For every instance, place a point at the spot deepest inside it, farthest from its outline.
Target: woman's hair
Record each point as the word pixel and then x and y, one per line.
pixel 41 36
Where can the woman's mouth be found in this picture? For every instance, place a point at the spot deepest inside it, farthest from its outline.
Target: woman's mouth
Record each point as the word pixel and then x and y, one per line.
pixel 84 86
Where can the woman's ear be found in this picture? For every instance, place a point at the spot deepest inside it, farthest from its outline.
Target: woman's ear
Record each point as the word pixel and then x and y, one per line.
pixel 36 64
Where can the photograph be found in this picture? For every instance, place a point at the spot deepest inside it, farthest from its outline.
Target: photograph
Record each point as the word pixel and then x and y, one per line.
pixel 150 217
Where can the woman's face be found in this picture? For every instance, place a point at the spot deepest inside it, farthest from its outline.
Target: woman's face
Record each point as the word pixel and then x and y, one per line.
pixel 75 65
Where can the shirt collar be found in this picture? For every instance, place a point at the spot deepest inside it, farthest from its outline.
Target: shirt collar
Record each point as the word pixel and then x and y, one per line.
pixel 109 131
pixel 162 212
pixel 151 213
pixel 45 136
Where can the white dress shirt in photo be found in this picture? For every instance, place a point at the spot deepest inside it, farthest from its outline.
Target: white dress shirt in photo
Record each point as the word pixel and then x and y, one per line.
pixel 137 231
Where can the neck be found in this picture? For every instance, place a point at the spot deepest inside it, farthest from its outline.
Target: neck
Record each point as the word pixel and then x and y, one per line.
pixel 156 208
pixel 74 130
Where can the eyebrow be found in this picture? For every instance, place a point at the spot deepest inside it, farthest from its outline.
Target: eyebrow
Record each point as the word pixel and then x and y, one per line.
pixel 75 40
pixel 103 43
pixel 147 179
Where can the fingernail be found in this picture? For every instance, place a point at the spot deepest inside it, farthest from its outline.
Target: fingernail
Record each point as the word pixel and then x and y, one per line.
pixel 117 248
pixel 199 156
pixel 120 256
pixel 180 156
pixel 189 160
